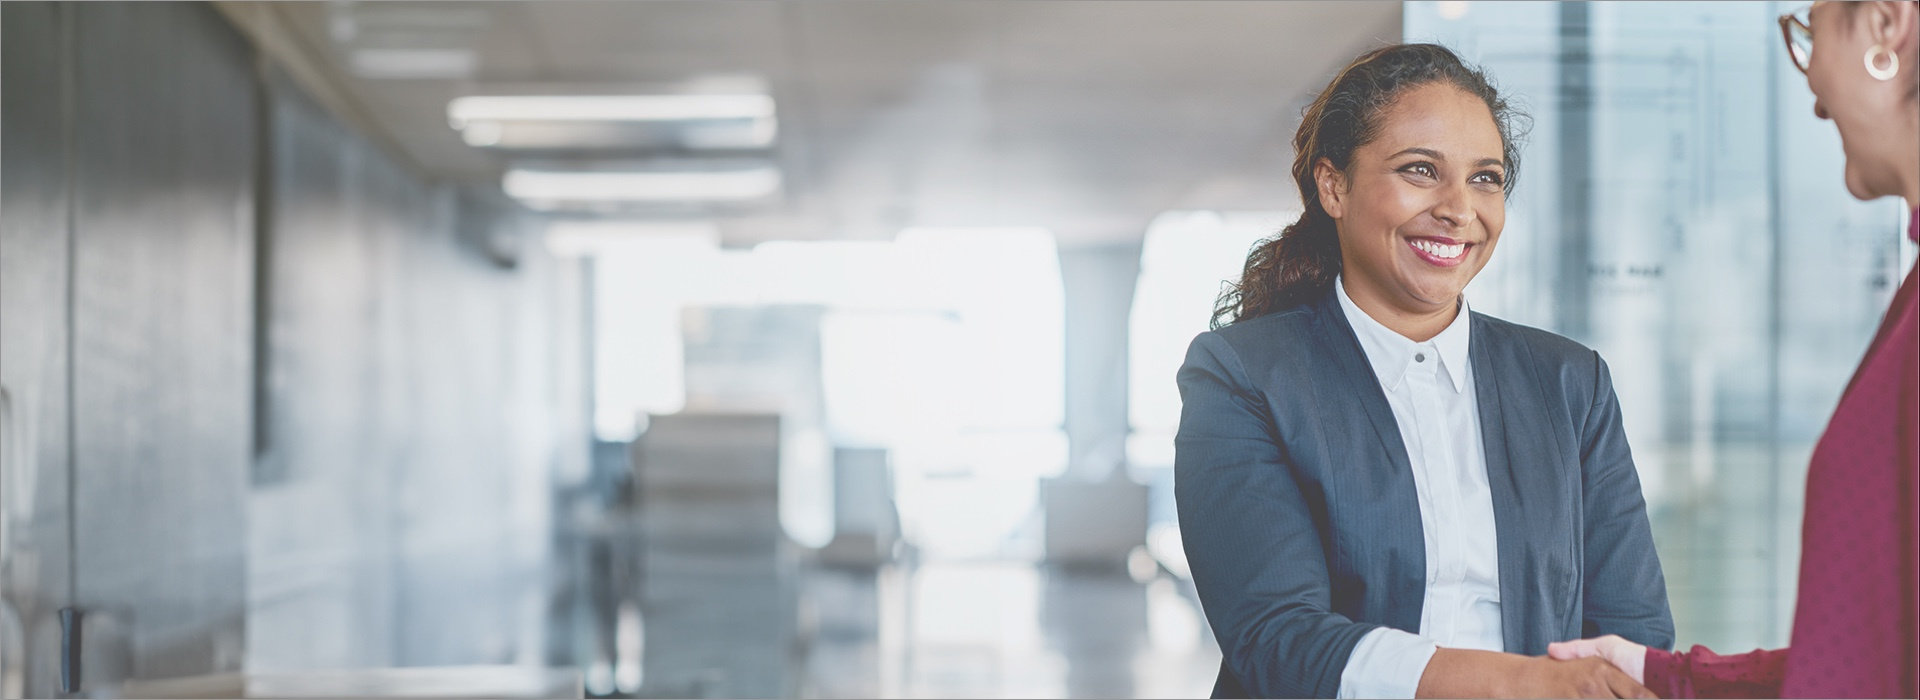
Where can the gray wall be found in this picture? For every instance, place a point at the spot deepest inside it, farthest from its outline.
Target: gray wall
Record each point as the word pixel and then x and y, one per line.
pixel 162 269
pixel 34 254
pixel 127 248
pixel 423 395
pixel 274 401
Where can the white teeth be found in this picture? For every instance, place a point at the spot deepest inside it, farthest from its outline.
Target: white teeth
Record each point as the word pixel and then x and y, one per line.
pixel 1437 250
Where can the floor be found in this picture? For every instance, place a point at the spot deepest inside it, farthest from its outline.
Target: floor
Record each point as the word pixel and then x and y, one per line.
pixel 1003 629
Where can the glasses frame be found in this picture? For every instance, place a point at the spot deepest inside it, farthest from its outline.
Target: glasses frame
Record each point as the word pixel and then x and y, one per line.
pixel 1797 33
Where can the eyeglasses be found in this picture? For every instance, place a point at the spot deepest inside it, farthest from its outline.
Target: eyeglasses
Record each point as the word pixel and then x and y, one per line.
pixel 1794 28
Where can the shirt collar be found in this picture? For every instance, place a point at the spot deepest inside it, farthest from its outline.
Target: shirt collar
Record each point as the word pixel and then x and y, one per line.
pixel 1390 353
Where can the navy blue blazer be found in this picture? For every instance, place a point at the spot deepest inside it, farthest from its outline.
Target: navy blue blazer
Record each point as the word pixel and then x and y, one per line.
pixel 1299 516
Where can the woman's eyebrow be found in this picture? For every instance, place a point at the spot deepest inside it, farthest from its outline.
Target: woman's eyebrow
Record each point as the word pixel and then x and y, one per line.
pixel 1430 153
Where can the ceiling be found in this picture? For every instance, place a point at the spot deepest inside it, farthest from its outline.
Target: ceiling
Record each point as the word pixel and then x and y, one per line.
pixel 1086 117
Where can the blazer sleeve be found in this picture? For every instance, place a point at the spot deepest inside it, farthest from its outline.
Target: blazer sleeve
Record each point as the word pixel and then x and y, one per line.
pixel 1252 537
pixel 1625 592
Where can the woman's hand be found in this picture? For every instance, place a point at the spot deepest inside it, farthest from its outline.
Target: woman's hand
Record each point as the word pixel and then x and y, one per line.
pixel 1455 673
pixel 1630 657
pixel 1576 678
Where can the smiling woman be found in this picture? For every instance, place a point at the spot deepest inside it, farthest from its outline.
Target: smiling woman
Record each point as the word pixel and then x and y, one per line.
pixel 1420 213
pixel 1381 493
pixel 1424 90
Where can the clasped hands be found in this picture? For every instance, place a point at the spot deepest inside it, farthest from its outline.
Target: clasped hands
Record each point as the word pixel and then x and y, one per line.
pixel 1603 667
pixel 1628 657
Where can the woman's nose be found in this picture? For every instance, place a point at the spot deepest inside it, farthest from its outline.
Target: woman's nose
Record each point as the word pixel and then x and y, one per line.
pixel 1455 208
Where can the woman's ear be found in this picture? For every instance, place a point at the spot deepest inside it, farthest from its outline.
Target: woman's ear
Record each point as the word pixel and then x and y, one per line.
pixel 1902 26
pixel 1890 25
pixel 1332 186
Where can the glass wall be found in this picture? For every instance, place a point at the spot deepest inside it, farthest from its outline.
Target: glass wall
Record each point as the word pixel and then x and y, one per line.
pixel 1682 211
pixel 1185 260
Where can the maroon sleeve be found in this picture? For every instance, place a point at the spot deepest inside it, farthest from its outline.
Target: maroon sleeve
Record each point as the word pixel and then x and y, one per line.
pixel 1700 673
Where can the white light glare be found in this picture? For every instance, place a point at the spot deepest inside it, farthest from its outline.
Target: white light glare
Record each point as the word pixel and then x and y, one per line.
pixel 589 186
pixel 606 108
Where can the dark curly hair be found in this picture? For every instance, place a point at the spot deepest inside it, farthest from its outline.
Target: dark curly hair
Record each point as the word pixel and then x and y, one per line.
pixel 1299 264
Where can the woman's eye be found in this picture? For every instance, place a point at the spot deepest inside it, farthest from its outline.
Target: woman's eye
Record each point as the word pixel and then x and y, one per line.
pixel 1489 177
pixel 1424 169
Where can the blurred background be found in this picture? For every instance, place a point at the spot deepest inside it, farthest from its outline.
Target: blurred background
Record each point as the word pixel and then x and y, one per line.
pixel 821 349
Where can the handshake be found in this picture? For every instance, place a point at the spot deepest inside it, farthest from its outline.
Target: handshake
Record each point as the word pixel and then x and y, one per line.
pixel 1630 658
pixel 1603 667
pixel 1616 657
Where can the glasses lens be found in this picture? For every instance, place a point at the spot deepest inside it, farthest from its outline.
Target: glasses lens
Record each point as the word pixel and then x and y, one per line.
pixel 1800 44
pixel 1799 39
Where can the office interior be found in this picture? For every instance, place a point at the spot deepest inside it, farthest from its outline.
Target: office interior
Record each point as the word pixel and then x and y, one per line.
pixel 798 349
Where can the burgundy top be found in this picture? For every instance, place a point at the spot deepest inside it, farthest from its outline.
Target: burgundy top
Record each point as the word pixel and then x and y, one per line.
pixel 1854 623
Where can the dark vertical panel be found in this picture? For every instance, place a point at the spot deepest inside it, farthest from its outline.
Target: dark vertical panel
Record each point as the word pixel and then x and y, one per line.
pixel 34 240
pixel 1576 172
pixel 263 226
pixel 162 331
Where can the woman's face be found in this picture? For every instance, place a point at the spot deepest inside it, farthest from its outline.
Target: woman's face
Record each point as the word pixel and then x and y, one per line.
pixel 1864 109
pixel 1421 206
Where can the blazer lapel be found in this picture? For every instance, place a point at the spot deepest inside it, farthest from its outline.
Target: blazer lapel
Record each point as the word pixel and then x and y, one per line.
pixel 1501 481
pixel 1528 503
pixel 1355 379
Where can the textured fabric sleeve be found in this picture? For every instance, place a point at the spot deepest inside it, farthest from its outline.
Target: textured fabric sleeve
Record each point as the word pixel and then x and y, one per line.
pixel 1700 673
pixel 1387 663
pixel 1625 591
pixel 1252 540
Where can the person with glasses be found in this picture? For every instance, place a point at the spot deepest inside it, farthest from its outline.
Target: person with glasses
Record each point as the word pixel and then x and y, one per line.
pixel 1854 622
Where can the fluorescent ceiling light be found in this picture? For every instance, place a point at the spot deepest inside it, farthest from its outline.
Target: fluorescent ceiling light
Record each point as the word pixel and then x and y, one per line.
pixel 681 186
pixel 482 134
pixel 726 134
pixel 606 108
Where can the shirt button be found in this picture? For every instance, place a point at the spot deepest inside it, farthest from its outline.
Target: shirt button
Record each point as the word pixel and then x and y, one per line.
pixel 1420 358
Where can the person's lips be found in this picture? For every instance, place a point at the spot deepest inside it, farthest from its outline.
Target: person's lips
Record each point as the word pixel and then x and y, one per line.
pixel 1439 251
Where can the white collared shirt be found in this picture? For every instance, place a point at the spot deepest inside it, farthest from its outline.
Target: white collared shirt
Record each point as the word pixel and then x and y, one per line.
pixel 1430 387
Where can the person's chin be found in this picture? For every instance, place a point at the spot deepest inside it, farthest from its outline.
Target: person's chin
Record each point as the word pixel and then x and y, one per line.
pixel 1859 183
pixel 1432 289
pixel 1857 186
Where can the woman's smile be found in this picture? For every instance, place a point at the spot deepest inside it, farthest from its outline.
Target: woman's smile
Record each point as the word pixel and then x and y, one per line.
pixel 1439 251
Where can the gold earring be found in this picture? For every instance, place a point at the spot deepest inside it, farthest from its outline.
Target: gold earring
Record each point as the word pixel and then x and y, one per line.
pixel 1873 63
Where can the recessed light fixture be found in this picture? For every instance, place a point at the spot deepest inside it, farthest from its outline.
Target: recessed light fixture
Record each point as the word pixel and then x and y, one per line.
pixel 481 134
pixel 642 186
pixel 606 108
